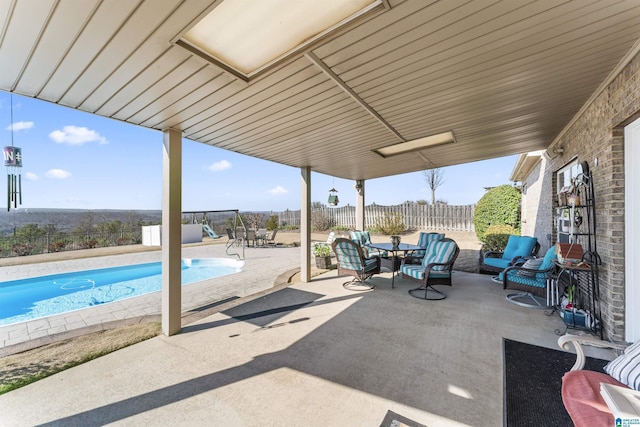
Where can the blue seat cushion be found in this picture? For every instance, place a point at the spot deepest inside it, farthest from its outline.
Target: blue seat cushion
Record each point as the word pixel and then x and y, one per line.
pixel 439 252
pixel 500 263
pixel 348 256
pixel 540 279
pixel 417 272
pixel 424 240
pixel 362 238
pixel 370 264
pixel 373 251
pixel 513 276
pixel 519 246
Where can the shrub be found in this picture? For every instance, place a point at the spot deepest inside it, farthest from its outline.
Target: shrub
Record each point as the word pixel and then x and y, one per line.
pixel 122 241
pixel 391 224
pixel 272 223
pixel 23 249
pixel 320 220
pixel 58 246
pixel 499 206
pixel 89 244
pixel 321 249
pixel 497 236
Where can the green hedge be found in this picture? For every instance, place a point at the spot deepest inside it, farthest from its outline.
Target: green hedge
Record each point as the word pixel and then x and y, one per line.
pixel 497 236
pixel 499 206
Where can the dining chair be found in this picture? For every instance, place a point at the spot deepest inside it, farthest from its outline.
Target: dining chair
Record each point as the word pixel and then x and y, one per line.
pixel 436 269
pixel 351 261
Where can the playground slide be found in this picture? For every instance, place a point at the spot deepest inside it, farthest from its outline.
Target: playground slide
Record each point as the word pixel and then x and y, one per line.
pixel 210 232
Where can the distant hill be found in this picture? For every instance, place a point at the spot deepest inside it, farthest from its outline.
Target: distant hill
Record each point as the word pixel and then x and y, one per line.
pixel 67 219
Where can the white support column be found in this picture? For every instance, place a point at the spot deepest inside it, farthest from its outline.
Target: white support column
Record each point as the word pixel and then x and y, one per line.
pixel 360 204
pixel 305 224
pixel 171 230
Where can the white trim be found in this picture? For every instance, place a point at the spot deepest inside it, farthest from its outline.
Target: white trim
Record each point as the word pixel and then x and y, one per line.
pixel 632 230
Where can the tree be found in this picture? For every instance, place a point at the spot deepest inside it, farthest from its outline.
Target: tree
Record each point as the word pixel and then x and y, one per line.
pixel 434 179
pixel 86 223
pixel 254 219
pixel 30 232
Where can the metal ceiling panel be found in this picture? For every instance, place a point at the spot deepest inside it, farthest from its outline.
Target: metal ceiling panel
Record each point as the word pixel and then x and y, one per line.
pixel 504 75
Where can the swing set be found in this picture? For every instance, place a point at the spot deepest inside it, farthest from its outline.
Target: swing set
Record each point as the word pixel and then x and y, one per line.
pixel 204 218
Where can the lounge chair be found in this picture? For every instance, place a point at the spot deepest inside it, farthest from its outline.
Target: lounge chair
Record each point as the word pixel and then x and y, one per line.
pixel 351 261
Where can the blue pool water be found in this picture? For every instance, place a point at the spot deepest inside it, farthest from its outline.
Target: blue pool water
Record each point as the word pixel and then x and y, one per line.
pixel 28 299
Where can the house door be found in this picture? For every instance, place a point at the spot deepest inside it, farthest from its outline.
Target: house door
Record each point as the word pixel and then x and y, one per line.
pixel 632 230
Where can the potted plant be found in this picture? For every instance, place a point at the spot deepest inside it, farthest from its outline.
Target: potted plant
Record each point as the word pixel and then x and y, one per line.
pixel 322 254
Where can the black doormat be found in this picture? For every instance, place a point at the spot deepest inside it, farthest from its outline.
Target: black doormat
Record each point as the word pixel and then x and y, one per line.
pixel 533 384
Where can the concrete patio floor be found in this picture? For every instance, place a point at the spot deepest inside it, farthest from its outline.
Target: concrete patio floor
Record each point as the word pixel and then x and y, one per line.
pixel 310 354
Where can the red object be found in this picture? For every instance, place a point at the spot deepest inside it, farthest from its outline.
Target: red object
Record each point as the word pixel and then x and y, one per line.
pixel 582 399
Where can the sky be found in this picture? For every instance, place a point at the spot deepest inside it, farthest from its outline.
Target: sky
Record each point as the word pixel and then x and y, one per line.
pixel 76 160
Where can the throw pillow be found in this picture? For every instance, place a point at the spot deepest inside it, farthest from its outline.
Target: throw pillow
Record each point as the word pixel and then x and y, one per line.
pixel 533 264
pixel 626 367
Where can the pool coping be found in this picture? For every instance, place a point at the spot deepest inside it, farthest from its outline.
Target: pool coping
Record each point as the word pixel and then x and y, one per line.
pixel 188 317
pixel 198 299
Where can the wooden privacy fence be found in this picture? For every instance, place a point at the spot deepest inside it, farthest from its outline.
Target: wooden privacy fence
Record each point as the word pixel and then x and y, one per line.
pixel 414 216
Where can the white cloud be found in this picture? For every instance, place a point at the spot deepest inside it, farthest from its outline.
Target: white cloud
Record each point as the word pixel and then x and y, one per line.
pixel 219 166
pixel 31 176
pixel 57 174
pixel 20 126
pixel 74 135
pixel 278 190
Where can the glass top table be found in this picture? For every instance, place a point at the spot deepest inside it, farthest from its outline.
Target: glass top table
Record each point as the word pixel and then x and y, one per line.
pixel 394 250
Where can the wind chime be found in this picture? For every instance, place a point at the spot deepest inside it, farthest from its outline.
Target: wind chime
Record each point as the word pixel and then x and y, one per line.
pixel 333 196
pixel 13 163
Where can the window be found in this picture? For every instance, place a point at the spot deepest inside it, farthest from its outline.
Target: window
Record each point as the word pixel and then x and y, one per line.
pixel 566 175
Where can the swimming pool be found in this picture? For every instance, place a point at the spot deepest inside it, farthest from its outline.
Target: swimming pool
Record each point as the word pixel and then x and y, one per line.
pixel 33 298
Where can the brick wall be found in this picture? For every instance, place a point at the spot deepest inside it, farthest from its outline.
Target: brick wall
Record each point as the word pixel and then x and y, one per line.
pixel 535 215
pixel 598 134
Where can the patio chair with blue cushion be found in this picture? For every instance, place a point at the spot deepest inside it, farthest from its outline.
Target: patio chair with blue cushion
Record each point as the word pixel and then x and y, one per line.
pixel 518 249
pixel 435 269
pixel 363 239
pixel 351 261
pixel 423 241
pixel 535 279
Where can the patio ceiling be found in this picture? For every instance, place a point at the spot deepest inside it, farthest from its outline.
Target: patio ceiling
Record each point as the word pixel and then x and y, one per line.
pixel 504 76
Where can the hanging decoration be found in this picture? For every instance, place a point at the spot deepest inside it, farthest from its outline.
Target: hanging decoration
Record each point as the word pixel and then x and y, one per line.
pixel 13 163
pixel 333 196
